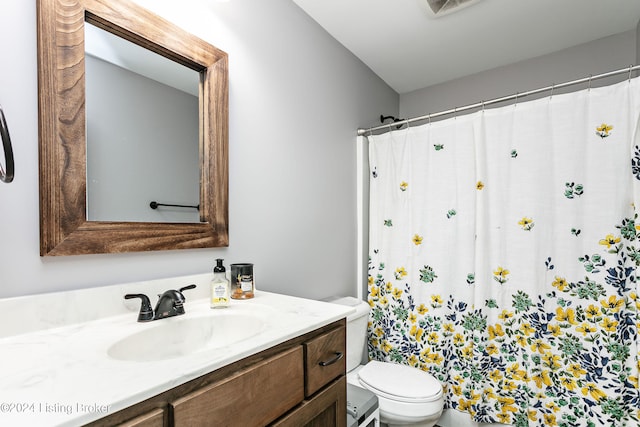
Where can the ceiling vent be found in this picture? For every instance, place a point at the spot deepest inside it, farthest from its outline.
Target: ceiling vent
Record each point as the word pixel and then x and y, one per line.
pixel 445 7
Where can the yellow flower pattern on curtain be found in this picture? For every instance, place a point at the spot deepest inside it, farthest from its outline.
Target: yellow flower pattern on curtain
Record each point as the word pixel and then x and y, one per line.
pixel 506 265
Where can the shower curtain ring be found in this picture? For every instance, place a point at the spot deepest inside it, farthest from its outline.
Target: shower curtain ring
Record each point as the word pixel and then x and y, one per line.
pixel 630 70
pixel 590 76
pixel 553 86
pixel 516 103
pixel 483 105
pixel 429 118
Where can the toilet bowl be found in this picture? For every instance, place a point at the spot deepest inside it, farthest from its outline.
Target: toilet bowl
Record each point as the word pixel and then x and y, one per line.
pixel 407 396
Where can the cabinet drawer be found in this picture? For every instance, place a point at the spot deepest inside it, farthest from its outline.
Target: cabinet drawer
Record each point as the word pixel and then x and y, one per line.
pixel 253 397
pixel 324 359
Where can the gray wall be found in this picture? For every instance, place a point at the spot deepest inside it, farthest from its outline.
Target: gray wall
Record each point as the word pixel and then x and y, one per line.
pixel 638 44
pixel 607 54
pixel 296 99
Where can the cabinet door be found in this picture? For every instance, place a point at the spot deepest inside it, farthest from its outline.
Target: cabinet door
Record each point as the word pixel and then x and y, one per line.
pixel 324 359
pixel 252 397
pixel 328 408
pixel 151 419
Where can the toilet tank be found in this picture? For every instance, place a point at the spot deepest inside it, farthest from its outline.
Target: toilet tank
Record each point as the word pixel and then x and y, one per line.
pixel 356 330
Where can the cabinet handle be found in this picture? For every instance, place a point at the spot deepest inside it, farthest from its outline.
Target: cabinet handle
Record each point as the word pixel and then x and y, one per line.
pixel 338 355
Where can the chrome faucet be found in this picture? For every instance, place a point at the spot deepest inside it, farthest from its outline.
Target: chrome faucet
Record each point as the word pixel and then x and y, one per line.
pixel 170 303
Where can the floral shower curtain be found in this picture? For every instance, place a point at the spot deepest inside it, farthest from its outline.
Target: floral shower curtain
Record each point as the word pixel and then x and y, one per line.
pixel 504 257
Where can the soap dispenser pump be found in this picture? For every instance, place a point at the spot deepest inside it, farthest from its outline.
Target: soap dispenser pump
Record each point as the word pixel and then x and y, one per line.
pixel 220 289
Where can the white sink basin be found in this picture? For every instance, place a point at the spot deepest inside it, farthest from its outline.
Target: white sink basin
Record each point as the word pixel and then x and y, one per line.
pixel 179 336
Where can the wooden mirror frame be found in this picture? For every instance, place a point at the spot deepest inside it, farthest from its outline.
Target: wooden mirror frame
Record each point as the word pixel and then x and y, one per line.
pixel 64 229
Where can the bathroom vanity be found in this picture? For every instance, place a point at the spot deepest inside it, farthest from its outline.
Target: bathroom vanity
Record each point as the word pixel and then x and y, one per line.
pixel 285 385
pixel 273 360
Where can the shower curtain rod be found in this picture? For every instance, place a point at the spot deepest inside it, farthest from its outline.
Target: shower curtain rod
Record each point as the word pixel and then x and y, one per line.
pixel 630 69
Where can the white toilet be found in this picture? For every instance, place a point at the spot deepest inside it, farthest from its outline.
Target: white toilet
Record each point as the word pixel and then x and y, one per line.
pixel 406 396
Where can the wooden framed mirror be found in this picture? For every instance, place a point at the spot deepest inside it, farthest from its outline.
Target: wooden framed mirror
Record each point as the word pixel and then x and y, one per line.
pixel 64 228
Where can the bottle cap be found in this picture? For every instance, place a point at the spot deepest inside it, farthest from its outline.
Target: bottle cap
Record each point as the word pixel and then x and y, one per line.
pixel 219 268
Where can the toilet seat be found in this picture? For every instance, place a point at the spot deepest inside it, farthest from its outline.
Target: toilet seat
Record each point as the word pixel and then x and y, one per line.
pixel 400 383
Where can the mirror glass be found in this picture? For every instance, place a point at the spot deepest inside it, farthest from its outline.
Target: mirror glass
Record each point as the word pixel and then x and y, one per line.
pixel 142 133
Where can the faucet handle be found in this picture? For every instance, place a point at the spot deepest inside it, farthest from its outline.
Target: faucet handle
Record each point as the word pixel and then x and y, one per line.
pixel 146 311
pixel 180 299
pixel 191 286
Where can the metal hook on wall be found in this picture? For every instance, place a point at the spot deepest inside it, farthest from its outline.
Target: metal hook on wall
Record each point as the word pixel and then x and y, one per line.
pixel 395 120
pixel 6 175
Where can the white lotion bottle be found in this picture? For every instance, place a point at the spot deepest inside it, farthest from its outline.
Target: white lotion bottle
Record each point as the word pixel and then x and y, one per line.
pixel 220 289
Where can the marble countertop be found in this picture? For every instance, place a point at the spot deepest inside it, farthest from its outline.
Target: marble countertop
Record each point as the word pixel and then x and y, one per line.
pixel 64 376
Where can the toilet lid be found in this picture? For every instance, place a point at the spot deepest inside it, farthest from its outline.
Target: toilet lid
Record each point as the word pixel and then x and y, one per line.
pixel 399 382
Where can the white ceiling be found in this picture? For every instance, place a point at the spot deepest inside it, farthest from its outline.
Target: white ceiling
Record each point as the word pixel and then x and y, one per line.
pixel 409 48
pixel 125 54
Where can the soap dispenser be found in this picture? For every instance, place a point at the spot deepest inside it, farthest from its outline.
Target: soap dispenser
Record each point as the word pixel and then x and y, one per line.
pixel 220 289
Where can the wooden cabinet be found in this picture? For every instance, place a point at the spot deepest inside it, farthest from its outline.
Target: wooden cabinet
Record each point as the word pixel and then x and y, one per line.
pixel 326 409
pixel 325 384
pixel 255 396
pixel 300 382
pixel 153 418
